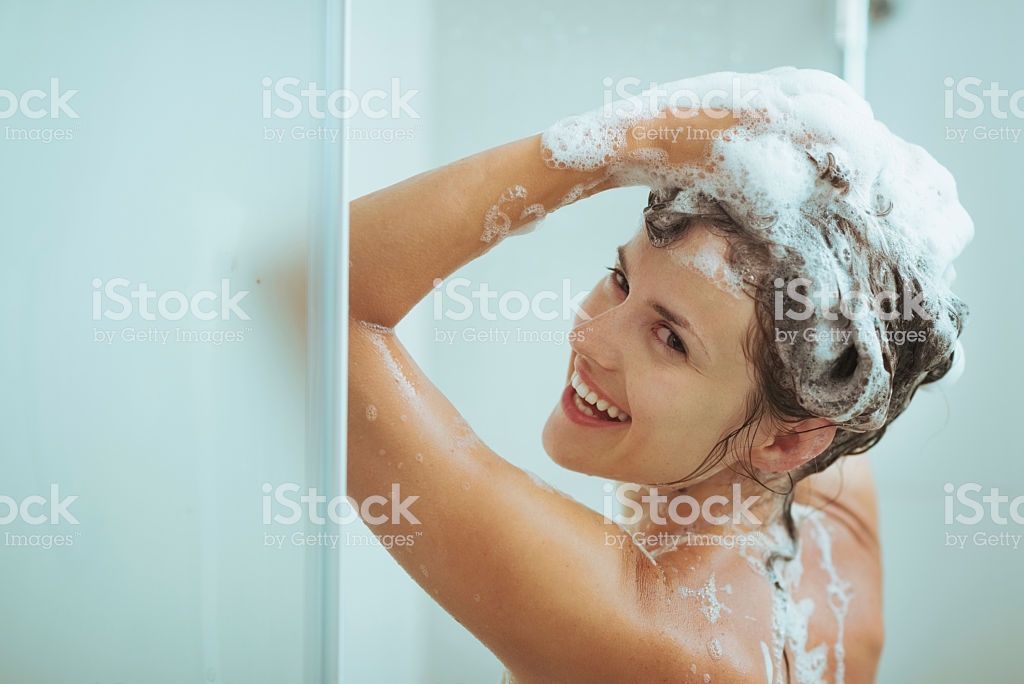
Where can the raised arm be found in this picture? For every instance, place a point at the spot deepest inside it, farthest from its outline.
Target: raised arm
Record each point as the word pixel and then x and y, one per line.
pixel 426 227
pixel 524 568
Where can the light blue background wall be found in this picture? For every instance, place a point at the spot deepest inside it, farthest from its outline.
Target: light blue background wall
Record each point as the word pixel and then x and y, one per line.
pixel 167 181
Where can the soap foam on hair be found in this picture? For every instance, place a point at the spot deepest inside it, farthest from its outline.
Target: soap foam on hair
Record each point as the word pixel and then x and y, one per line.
pixel 805 156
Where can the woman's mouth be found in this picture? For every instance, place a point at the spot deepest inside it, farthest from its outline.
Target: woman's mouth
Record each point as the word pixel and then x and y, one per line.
pixel 583 406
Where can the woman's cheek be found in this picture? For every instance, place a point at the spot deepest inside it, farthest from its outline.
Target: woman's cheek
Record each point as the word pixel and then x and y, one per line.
pixel 659 406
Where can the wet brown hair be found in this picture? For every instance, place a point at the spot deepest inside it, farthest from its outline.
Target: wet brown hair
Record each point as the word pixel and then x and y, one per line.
pixel 911 364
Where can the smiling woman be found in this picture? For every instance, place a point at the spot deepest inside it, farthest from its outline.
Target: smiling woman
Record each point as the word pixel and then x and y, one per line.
pixel 681 378
pixel 675 385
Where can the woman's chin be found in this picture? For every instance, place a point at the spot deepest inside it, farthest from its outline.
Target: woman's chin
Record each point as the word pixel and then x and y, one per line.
pixel 561 441
pixel 557 442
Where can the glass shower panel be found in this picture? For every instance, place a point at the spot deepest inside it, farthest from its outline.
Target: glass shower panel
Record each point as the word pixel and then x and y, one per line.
pixel 169 235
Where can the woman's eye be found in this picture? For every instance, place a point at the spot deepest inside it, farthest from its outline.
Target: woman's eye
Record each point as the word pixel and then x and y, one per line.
pixel 619 278
pixel 670 339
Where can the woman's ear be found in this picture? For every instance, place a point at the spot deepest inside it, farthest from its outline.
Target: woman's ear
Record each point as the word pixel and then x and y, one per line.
pixel 797 444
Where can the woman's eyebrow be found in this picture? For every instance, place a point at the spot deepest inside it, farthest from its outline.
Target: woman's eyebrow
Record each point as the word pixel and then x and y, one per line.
pixel 662 311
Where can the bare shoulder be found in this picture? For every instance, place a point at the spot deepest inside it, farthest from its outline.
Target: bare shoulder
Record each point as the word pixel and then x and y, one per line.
pixel 846 491
pixel 718 614
pixel 814 617
pixel 712 608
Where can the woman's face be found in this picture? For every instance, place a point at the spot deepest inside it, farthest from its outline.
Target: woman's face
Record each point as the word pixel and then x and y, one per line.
pixel 665 345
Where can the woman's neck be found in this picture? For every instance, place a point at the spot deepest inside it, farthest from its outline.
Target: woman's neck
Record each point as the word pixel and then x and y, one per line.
pixel 727 503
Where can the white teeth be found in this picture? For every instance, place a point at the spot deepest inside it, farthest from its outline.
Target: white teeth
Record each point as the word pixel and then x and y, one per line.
pixel 583 407
pixel 585 394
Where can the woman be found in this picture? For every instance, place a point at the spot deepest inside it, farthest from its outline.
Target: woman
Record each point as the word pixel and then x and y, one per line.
pixel 705 369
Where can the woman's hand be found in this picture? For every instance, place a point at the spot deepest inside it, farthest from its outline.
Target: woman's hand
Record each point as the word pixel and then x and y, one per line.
pixel 680 136
pixel 649 139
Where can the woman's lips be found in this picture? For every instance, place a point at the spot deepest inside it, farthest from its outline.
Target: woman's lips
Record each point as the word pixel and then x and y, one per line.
pixel 596 413
pixel 573 412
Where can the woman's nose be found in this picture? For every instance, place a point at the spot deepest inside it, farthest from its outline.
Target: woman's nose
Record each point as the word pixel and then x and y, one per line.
pixel 602 338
